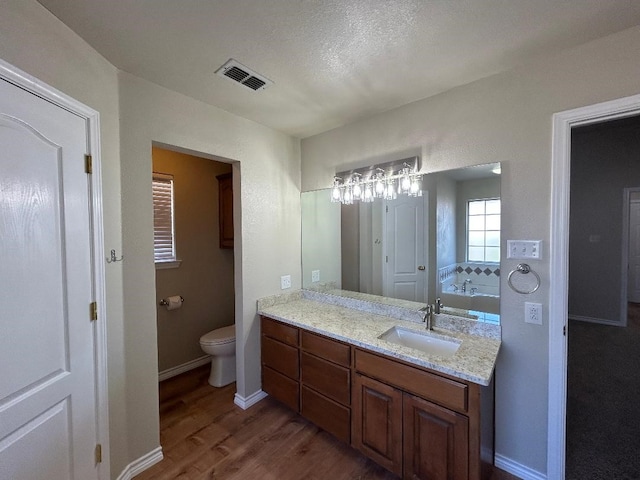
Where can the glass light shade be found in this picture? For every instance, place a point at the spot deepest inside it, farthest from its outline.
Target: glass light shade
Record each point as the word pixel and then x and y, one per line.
pixel 379 186
pixel 357 191
pixel 390 191
pixel 347 198
pixel 415 189
pixel 368 193
pixel 405 181
pixel 336 195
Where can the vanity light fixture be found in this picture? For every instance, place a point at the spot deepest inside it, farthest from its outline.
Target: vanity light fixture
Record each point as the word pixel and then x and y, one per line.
pixel 379 182
pixel 385 181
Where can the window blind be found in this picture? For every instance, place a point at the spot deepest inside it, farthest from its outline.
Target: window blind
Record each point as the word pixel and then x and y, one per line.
pixel 164 248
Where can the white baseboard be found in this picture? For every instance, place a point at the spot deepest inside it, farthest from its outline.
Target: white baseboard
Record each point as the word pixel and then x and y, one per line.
pixel 141 464
pixel 185 367
pixel 517 469
pixel 602 321
pixel 252 399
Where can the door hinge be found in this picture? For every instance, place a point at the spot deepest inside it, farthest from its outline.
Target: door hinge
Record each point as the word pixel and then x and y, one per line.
pixel 564 330
pixel 386 260
pixel 93 310
pixel 98 453
pixel 88 164
pixel 387 208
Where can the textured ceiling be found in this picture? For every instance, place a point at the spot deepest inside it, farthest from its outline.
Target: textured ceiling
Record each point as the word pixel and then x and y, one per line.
pixel 332 62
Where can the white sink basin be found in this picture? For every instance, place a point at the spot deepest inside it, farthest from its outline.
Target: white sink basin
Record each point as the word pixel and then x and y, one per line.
pixel 423 341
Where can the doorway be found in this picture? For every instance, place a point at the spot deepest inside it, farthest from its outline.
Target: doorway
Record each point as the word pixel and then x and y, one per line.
pixel 631 245
pixel 563 123
pixel 202 272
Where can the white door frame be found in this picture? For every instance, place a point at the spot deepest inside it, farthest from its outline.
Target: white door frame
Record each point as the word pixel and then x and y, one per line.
pixel 624 290
pixel 31 84
pixel 563 122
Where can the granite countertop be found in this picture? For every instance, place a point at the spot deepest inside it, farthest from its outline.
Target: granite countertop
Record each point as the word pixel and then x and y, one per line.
pixel 473 361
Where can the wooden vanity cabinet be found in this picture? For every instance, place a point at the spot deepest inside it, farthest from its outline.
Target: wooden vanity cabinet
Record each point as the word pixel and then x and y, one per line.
pixel 309 373
pixel 325 378
pixel 417 423
pixel 435 441
pixel 414 422
pixel 280 362
pixel 377 422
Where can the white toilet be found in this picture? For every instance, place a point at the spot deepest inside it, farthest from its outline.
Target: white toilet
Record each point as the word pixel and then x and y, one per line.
pixel 221 345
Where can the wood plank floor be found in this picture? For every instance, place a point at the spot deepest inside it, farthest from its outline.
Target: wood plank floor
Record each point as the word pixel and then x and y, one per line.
pixel 205 436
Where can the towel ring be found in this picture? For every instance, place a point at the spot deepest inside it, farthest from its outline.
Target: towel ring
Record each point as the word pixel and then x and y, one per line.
pixel 524 269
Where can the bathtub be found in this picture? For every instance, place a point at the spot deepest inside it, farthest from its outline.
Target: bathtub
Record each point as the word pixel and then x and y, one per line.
pixel 478 300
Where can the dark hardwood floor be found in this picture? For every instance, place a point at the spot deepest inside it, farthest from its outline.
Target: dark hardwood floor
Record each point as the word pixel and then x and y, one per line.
pixel 205 436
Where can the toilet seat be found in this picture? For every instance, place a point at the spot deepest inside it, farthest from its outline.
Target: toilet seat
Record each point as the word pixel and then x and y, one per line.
pixel 219 336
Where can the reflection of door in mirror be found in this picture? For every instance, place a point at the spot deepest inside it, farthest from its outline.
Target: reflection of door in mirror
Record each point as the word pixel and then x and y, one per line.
pixel 384 247
pixel 404 274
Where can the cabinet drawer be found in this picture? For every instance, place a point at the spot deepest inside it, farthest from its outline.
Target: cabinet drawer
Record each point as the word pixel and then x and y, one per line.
pixel 281 388
pixel 285 333
pixel 443 391
pixel 280 357
pixel 326 377
pixel 327 414
pixel 326 348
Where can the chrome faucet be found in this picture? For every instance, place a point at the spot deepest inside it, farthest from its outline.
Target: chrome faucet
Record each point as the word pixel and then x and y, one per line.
pixel 464 285
pixel 427 318
pixel 437 306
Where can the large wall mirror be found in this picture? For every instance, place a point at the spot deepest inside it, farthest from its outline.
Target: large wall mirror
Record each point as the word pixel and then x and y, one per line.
pixel 445 243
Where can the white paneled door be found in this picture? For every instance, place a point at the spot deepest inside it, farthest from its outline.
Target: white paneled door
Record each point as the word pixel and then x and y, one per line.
pixel 405 252
pixel 47 377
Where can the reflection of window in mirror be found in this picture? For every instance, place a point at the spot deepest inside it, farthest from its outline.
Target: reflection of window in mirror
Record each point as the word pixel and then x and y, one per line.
pixel 483 230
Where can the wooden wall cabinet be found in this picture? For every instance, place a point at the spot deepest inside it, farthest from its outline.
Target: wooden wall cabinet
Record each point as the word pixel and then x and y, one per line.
pixel 225 209
pixel 416 423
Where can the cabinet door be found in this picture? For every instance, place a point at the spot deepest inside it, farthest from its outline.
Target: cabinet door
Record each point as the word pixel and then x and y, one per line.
pixel 225 209
pixel 377 422
pixel 436 441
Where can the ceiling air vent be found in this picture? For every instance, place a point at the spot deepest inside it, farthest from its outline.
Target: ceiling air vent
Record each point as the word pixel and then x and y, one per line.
pixel 241 74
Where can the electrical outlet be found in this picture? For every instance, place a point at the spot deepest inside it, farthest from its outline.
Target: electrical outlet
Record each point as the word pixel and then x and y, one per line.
pixel 315 275
pixel 533 313
pixel 285 282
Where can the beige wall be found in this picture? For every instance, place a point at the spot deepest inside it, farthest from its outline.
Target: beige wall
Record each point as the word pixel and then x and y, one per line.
pixel 35 41
pixel 266 221
pixel 505 118
pixel 205 276
pixel 267 186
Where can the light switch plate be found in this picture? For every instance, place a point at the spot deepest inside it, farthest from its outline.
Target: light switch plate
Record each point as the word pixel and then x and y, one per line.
pixel 524 249
pixel 315 276
pixel 285 282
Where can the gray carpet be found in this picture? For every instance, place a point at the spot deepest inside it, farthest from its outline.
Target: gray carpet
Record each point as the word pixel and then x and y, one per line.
pixel 603 401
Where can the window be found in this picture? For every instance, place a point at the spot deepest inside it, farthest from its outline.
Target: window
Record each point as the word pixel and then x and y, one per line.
pixel 164 246
pixel 483 230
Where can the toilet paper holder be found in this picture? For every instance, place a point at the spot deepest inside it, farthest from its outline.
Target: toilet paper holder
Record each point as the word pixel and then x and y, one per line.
pixel 164 302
